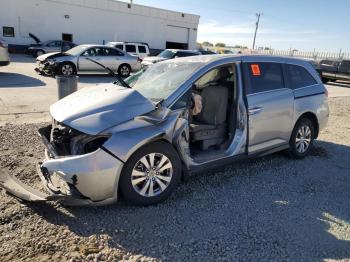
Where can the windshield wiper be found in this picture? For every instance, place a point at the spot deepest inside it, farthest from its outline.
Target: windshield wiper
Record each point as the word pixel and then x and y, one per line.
pixel 111 72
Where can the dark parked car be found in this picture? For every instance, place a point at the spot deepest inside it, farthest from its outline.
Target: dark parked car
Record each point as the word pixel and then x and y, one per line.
pixel 168 54
pixel 50 46
pixel 333 70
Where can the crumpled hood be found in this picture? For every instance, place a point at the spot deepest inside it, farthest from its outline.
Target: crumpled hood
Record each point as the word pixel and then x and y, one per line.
pixel 50 55
pixel 153 59
pixel 92 110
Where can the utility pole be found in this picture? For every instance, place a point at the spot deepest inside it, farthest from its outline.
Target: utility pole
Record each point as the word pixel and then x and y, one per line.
pixel 258 15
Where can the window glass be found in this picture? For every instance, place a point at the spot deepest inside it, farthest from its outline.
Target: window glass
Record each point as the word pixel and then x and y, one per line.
pixel 161 79
pixel 297 76
pixel 182 101
pixel 52 44
pixel 217 76
pixel 8 31
pixel 184 54
pixel 345 65
pixel 95 51
pixel 262 77
pixel 142 49
pixel 119 47
pixel 130 48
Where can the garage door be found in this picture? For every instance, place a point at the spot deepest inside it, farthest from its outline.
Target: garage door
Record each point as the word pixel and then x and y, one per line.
pixel 177 35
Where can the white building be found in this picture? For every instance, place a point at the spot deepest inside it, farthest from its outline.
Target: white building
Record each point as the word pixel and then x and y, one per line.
pixel 96 22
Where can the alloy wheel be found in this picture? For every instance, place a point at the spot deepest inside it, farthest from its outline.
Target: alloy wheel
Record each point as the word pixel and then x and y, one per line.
pixel 303 139
pixel 124 70
pixel 152 174
pixel 67 70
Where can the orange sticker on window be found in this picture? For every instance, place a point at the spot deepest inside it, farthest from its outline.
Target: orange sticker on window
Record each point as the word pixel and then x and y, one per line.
pixel 255 70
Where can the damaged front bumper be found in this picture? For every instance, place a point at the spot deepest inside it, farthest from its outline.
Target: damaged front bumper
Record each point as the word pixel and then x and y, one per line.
pixel 88 179
pixel 46 68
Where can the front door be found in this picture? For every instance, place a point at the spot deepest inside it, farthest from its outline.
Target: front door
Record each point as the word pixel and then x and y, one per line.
pixel 94 53
pixel 270 106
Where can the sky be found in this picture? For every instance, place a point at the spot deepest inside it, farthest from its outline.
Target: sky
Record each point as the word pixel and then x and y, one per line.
pixel 297 24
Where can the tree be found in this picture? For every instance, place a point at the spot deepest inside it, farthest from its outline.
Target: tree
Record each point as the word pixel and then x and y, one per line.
pixel 206 43
pixel 220 45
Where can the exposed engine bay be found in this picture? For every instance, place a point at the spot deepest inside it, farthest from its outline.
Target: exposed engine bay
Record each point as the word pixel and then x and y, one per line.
pixel 67 141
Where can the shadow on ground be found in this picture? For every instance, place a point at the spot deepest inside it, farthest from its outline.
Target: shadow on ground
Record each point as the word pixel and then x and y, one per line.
pixel 95 79
pixel 22 58
pixel 340 84
pixel 14 80
pixel 272 208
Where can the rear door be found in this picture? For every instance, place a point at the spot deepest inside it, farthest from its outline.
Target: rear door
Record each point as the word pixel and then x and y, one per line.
pixel 344 71
pixel 270 105
pixel 131 49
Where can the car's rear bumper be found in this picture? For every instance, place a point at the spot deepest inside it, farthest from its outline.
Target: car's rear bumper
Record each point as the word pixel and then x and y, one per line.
pixel 89 179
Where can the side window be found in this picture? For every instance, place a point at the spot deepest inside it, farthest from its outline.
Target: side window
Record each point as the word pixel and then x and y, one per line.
pixel 184 54
pixel 120 47
pixel 130 48
pixel 345 65
pixel 297 76
pixel 182 102
pixel 51 44
pixel 142 49
pixel 113 52
pixel 262 76
pixel 90 52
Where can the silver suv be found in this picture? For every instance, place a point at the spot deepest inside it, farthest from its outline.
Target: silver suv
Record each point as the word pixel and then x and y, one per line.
pixel 4 54
pixel 181 116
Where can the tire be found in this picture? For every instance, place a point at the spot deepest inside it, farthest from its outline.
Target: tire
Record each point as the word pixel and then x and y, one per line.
pixel 324 80
pixel 66 69
pixel 136 178
pixel 124 70
pixel 302 138
pixel 39 53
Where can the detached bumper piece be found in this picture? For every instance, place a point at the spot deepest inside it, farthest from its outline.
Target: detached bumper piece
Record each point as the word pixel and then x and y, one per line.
pixel 16 188
pixel 45 68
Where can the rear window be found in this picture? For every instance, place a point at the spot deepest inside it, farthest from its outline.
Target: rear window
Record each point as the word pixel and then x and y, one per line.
pixel 297 77
pixel 142 49
pixel 130 48
pixel 119 47
pixel 261 77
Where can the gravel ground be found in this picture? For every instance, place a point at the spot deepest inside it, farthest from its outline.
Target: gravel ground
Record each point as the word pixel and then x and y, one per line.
pixel 268 209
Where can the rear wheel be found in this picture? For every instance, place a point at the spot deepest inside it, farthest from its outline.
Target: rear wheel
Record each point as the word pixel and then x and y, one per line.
pixel 66 69
pixel 124 70
pixel 39 53
pixel 302 138
pixel 151 174
pixel 325 80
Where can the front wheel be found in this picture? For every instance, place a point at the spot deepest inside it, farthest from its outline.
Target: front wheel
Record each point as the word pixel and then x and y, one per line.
pixel 124 70
pixel 66 69
pixel 302 138
pixel 151 174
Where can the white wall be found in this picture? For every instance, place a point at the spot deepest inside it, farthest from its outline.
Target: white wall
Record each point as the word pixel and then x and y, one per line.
pixel 92 21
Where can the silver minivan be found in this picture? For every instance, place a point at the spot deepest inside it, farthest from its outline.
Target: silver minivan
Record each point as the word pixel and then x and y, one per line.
pixel 4 54
pixel 180 116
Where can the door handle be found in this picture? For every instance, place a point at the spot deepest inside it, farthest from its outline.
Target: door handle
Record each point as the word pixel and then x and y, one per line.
pixel 254 110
